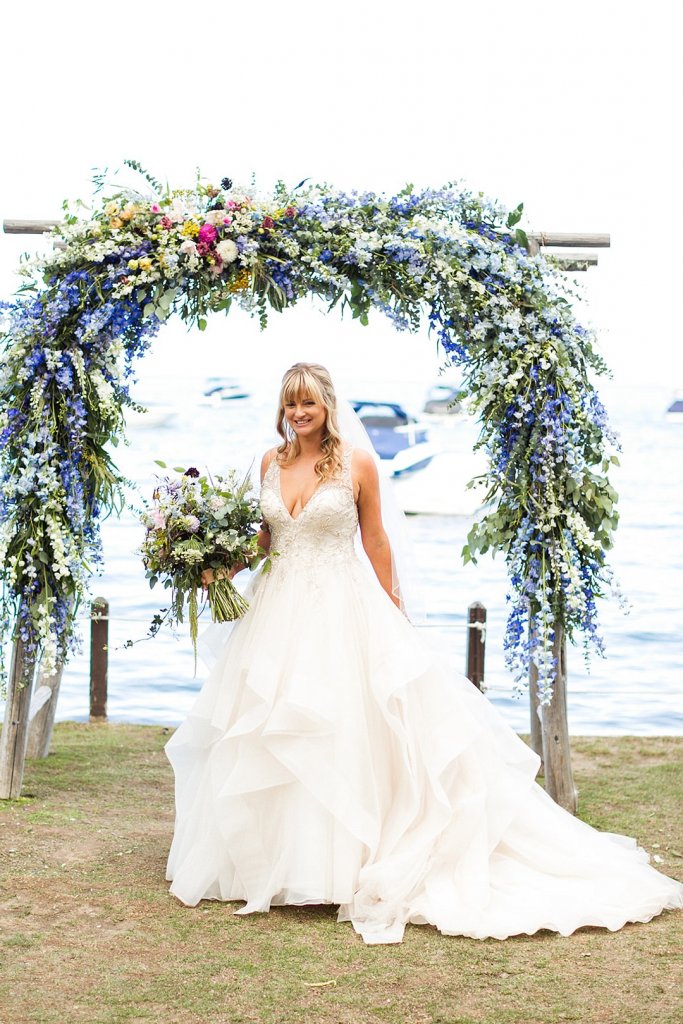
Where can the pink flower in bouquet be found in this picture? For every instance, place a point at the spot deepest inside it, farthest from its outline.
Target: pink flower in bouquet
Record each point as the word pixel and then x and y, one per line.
pixel 231 204
pixel 159 519
pixel 268 222
pixel 166 222
pixel 207 234
pixel 188 248
pixel 290 211
pixel 192 523
pixel 155 208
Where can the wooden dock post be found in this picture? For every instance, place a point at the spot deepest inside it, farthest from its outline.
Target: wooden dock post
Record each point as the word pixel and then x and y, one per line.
pixel 15 727
pixel 99 658
pixel 557 762
pixel 476 643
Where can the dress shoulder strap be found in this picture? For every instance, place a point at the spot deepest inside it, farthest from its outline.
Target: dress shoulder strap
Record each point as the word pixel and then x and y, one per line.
pixel 346 477
pixel 271 468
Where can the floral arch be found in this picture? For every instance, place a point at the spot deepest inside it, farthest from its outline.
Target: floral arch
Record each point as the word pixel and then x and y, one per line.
pixel 89 309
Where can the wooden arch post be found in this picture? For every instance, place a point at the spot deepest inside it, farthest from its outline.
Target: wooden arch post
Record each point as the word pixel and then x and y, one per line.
pixel 549 728
pixel 14 739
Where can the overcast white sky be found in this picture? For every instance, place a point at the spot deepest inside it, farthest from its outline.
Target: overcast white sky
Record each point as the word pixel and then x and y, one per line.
pixel 573 108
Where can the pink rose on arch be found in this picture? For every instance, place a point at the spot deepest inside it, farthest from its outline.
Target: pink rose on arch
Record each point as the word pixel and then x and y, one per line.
pixel 207 234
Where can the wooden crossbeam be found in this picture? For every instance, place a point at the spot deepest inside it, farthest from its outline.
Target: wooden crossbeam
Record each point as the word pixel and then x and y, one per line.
pixel 28 227
pixel 584 239
pixel 575 260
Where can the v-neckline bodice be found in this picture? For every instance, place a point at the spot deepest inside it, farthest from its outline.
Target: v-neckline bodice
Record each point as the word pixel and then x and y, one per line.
pixel 303 508
pixel 320 486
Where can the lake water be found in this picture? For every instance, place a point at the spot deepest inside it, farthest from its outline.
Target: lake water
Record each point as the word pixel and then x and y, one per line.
pixel 636 689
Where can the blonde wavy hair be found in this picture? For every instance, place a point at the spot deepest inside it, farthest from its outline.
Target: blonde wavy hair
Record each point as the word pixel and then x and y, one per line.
pixel 310 380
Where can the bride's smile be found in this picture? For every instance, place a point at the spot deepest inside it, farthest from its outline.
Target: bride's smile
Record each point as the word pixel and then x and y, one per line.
pixel 305 416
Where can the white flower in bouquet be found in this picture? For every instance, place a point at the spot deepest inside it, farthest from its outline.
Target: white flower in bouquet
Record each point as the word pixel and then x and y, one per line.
pixel 227 250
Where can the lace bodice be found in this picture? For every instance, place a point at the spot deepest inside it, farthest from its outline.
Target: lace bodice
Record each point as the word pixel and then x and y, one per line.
pixel 324 530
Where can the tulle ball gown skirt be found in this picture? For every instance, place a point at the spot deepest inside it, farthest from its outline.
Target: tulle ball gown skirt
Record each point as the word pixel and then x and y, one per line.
pixel 329 758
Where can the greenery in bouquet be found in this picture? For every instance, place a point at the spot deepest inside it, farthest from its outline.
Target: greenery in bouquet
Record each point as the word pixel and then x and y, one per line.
pixel 197 523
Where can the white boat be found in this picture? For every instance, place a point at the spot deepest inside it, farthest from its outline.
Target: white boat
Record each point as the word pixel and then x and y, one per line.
pixel 444 401
pixel 409 460
pixel 441 487
pixel 222 389
pixel 150 416
pixel 446 404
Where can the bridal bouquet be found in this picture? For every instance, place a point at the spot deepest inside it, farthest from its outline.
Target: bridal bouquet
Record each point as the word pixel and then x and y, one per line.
pixel 196 523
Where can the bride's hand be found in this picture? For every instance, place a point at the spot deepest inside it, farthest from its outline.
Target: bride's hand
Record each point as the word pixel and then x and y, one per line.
pixel 209 576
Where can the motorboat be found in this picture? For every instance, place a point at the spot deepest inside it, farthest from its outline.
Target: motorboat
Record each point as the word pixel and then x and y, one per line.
pixel 675 411
pixel 444 400
pixel 442 488
pixel 398 438
pixel 149 415
pixel 223 389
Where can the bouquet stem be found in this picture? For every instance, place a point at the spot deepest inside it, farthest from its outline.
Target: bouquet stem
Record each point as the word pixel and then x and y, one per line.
pixel 227 604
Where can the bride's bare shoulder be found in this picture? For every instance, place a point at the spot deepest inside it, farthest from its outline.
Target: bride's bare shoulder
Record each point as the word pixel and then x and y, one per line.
pixel 362 462
pixel 266 461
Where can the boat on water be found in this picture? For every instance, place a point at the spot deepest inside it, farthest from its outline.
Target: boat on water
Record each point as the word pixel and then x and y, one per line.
pixel 441 489
pixel 401 442
pixel 150 415
pixel 675 411
pixel 444 401
pixel 222 389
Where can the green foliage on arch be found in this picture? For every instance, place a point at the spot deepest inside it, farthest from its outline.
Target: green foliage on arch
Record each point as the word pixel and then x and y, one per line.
pixel 444 257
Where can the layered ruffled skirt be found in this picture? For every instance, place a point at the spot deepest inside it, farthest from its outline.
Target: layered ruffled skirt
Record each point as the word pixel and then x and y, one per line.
pixel 329 758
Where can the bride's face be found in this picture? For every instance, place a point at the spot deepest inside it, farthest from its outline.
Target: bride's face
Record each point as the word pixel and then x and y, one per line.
pixel 305 416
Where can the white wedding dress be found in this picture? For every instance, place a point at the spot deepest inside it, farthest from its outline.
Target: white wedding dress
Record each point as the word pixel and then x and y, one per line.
pixel 330 759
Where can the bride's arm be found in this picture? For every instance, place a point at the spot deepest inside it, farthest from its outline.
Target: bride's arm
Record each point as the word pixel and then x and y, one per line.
pixel 373 536
pixel 262 537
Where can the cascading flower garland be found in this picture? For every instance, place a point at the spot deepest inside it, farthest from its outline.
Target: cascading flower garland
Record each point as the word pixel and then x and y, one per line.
pixel 89 309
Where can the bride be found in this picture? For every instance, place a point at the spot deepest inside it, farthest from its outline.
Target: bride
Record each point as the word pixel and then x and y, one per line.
pixel 329 759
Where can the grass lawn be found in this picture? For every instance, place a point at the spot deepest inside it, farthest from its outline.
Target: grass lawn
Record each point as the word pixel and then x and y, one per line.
pixel 89 933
